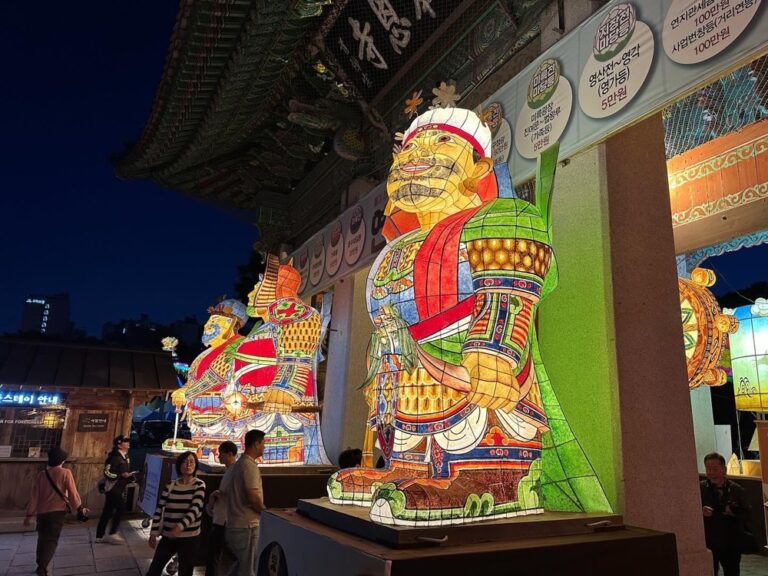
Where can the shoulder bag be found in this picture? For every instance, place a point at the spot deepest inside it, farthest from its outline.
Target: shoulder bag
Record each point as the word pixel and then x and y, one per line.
pixel 59 492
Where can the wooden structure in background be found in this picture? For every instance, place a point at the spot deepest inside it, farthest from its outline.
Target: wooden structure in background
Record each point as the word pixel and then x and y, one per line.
pixel 719 190
pixel 103 383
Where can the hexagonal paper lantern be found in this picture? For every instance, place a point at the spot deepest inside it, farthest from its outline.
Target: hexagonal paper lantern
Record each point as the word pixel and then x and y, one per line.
pixel 749 357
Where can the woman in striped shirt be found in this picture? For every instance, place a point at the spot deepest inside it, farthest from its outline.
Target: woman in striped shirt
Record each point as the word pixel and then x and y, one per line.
pixel 177 519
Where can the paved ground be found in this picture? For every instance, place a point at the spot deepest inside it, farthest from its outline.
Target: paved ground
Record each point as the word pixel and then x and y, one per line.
pixel 78 554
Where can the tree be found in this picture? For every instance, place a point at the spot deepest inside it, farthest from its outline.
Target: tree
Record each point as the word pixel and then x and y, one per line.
pixel 748 295
pixel 248 275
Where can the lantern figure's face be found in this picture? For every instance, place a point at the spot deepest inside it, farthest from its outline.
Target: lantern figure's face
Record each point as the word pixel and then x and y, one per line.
pixel 428 174
pixel 217 330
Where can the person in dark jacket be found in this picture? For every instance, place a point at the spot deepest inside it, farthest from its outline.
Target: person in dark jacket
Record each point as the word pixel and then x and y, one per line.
pixel 725 509
pixel 117 474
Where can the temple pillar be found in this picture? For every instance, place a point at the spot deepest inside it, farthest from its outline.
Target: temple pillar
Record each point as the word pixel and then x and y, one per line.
pixel 658 452
pixel 703 424
pixel 611 336
pixel 344 408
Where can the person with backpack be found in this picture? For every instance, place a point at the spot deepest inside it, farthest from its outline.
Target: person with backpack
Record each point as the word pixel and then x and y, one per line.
pixel 54 494
pixel 117 476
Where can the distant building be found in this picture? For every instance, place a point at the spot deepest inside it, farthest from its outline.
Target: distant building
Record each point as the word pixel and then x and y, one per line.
pixel 188 331
pixel 144 333
pixel 133 333
pixel 48 315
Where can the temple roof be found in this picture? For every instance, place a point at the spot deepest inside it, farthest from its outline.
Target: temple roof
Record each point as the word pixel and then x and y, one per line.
pixel 255 94
pixel 33 364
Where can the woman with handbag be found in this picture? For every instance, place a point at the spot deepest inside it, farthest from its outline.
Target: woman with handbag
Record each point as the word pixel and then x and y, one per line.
pixel 178 518
pixel 54 494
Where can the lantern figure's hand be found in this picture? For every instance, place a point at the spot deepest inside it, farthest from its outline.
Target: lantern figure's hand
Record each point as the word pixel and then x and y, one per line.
pixel 491 380
pixel 280 401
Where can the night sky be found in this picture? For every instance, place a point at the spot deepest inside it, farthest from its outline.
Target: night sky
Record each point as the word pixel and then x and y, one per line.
pixel 79 82
pixel 737 270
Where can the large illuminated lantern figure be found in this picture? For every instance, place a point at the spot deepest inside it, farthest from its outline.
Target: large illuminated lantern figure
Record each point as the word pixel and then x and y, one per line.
pixel 208 418
pixel 461 406
pixel 274 368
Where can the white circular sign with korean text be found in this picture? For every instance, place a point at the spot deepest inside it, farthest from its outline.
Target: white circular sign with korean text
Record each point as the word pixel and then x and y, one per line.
pixel 545 115
pixel 333 257
pixel 317 261
pixel 696 31
pixel 301 263
pixel 622 54
pixel 502 143
pixel 354 239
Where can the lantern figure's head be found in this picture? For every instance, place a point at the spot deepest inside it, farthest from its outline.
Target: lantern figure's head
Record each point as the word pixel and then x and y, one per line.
pixel 444 157
pixel 278 281
pixel 227 317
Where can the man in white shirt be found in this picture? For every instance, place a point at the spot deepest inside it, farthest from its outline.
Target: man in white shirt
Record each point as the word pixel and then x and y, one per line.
pixel 220 558
pixel 245 502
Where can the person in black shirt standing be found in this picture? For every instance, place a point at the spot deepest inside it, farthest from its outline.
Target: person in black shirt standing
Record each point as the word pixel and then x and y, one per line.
pixel 117 476
pixel 725 509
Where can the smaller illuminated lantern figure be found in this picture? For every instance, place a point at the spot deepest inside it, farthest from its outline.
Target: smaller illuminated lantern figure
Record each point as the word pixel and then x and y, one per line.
pixel 209 374
pixel 274 368
pixel 705 329
pixel 749 357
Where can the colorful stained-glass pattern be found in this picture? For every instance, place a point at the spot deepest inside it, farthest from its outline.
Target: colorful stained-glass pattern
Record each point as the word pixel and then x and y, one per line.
pixel 705 329
pixel 265 380
pixel 459 401
pixel 749 357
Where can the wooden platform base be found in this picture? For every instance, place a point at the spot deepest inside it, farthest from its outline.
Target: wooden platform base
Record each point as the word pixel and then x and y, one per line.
pixel 291 543
pixel 354 520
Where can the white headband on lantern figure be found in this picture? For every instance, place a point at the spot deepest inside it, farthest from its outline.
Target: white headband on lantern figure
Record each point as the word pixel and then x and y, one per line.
pixel 460 121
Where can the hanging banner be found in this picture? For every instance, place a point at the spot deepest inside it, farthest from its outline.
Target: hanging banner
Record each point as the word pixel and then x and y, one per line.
pixel 621 75
pixel 345 245
pixel 545 113
pixel 622 54
pixel 697 31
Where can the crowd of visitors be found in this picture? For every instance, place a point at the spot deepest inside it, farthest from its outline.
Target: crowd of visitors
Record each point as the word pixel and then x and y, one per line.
pixel 236 509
